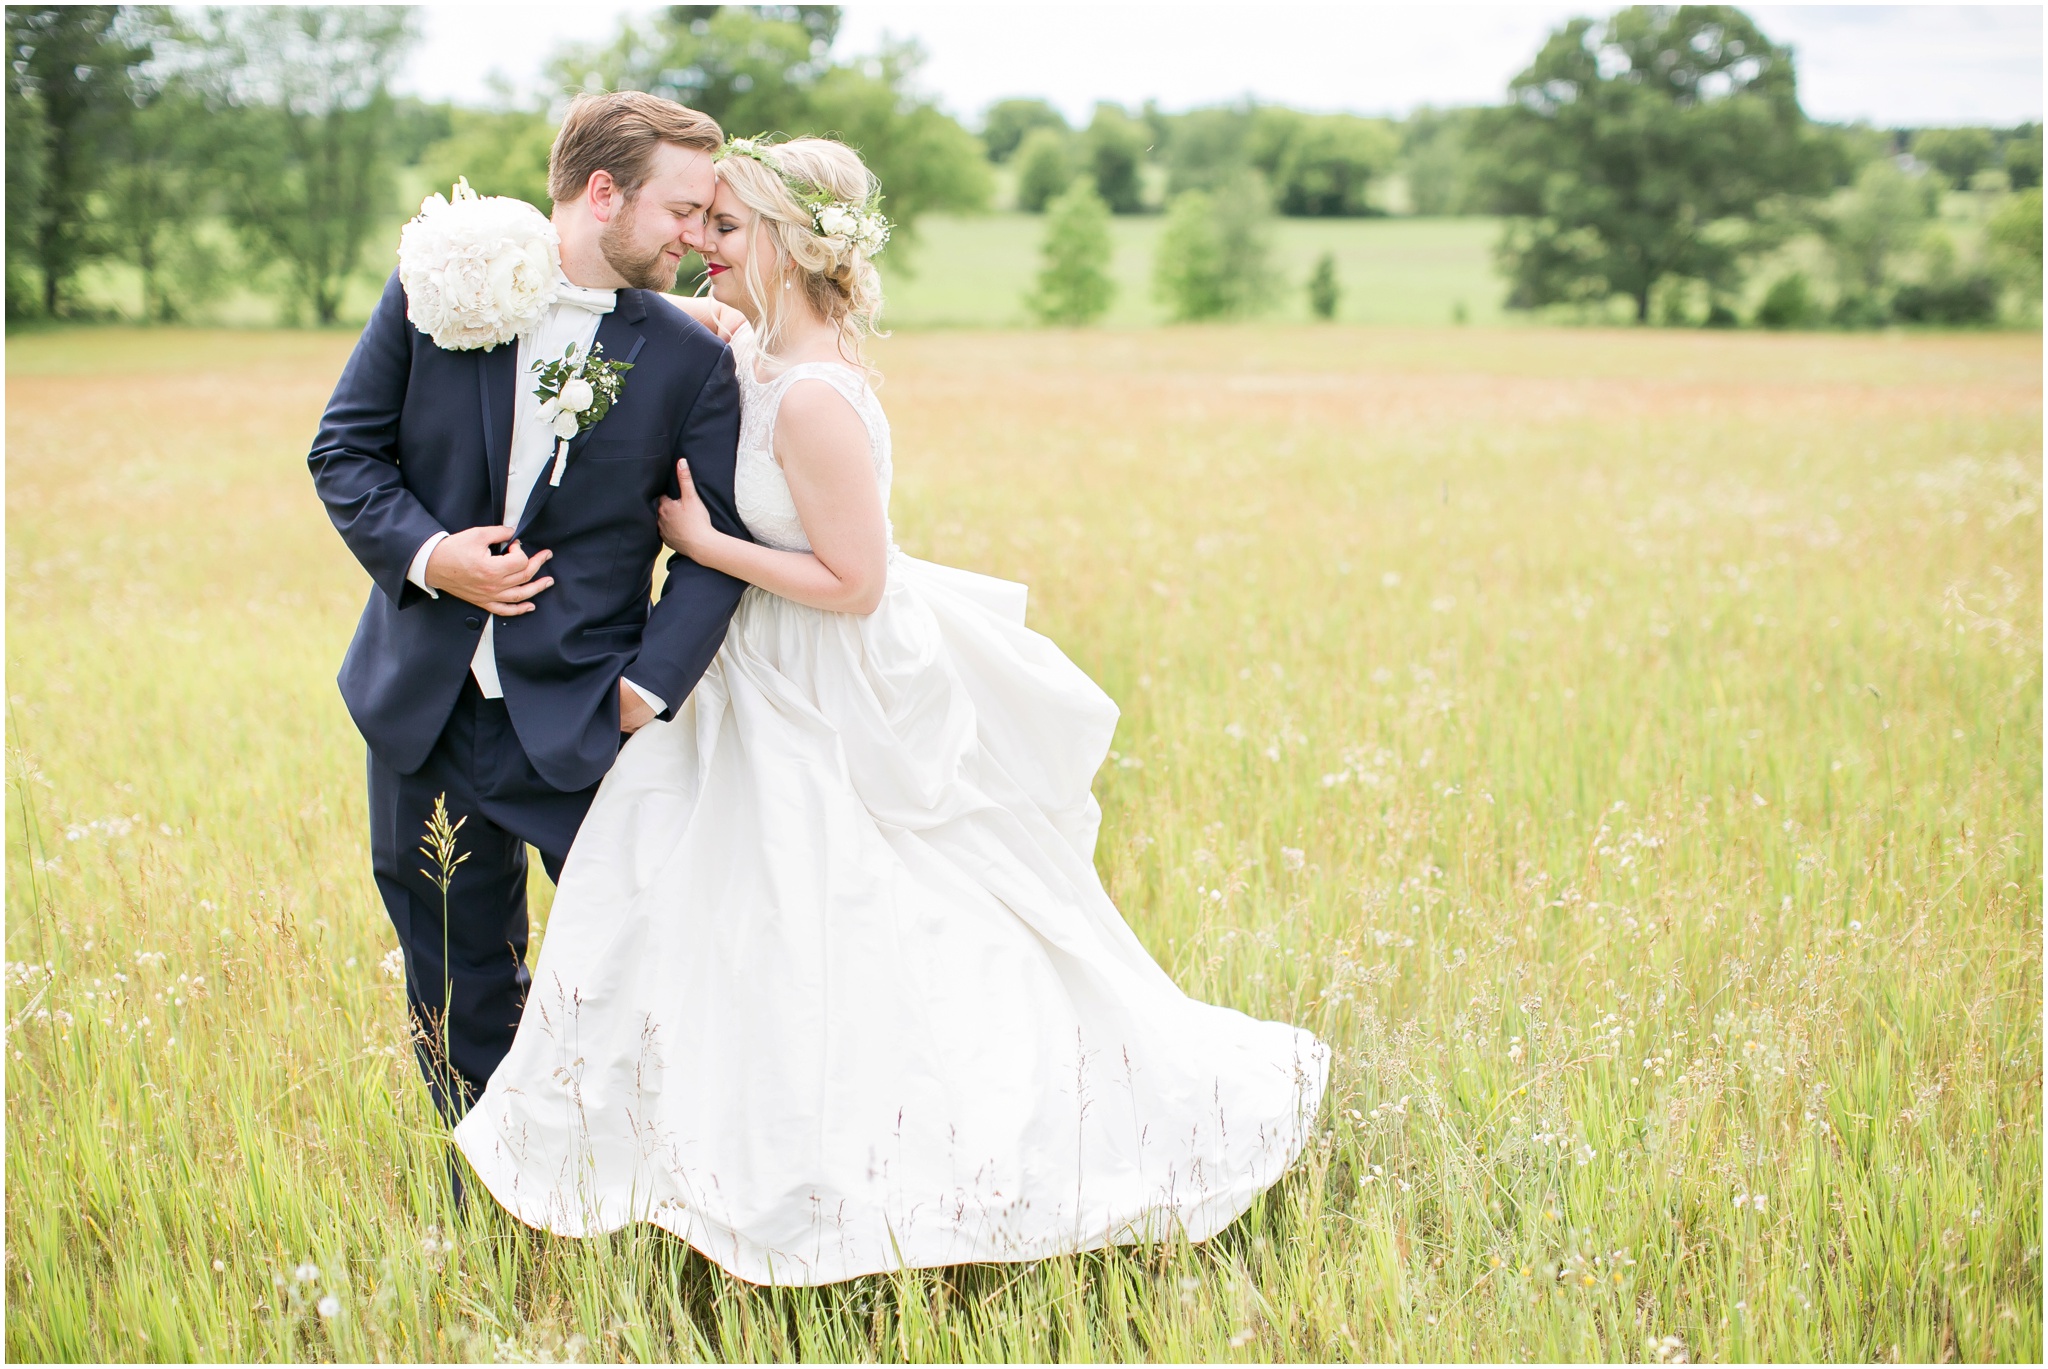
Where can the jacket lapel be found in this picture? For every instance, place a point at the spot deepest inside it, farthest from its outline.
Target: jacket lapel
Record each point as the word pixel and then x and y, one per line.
pixel 620 335
pixel 497 377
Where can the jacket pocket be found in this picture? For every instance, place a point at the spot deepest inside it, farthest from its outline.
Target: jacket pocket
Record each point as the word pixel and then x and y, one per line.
pixel 648 448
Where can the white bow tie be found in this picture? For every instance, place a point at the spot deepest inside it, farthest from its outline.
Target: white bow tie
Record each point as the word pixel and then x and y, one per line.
pixel 582 297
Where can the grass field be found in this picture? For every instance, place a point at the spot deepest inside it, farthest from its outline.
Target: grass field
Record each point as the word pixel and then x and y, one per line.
pixel 975 271
pixel 1623 747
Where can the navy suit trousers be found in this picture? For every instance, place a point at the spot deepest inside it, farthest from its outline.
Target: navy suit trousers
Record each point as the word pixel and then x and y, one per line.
pixel 465 974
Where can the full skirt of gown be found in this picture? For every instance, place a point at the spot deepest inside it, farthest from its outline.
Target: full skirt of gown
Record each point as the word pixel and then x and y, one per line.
pixel 831 987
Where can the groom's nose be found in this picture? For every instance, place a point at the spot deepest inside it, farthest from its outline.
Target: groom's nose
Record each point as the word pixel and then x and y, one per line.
pixel 693 231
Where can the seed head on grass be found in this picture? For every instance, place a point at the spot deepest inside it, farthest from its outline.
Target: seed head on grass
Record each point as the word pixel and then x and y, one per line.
pixel 440 845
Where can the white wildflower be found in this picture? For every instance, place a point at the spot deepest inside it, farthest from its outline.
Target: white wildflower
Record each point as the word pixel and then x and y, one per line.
pixel 329 1305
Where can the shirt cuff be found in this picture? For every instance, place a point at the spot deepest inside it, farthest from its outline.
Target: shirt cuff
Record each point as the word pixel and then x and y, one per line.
pixel 653 701
pixel 417 572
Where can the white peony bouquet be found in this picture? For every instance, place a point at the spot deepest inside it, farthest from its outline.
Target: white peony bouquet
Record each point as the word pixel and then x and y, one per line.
pixel 478 270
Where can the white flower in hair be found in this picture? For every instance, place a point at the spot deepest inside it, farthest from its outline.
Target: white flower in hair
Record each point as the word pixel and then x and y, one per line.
pixel 477 271
pixel 851 224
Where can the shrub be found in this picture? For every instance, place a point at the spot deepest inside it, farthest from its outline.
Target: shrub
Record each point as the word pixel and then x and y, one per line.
pixel 1073 286
pixel 1954 301
pixel 1045 168
pixel 1788 304
pixel 1323 291
pixel 1212 257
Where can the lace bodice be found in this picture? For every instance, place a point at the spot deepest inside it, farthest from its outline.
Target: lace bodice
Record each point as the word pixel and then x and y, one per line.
pixel 759 489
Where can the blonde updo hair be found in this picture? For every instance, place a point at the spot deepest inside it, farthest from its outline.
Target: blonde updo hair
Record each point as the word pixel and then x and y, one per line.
pixel 835 275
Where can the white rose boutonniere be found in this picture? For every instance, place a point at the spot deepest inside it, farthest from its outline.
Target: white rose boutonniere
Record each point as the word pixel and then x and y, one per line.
pixel 575 392
pixel 478 270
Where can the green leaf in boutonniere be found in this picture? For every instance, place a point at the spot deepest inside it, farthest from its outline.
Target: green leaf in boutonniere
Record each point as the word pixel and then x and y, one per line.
pixel 575 392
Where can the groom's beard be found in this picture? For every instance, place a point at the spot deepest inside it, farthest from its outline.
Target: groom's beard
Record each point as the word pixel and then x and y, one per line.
pixel 653 270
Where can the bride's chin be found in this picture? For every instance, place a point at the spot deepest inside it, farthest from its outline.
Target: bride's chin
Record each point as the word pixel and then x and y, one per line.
pixel 730 297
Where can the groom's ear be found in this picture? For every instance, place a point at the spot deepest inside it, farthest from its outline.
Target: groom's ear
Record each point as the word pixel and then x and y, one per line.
pixel 602 196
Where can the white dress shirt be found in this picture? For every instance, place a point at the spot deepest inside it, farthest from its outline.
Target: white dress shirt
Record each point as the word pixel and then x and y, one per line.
pixel 573 318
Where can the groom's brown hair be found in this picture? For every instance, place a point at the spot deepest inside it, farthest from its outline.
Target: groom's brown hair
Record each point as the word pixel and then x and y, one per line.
pixel 618 132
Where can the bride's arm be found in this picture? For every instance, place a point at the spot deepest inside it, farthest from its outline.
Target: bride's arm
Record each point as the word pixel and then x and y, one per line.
pixel 823 448
pixel 720 319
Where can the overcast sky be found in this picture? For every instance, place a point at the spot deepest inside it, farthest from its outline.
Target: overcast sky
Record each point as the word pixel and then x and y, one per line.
pixel 1892 65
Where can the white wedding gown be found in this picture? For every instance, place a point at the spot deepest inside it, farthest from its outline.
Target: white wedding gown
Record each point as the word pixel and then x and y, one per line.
pixel 831 987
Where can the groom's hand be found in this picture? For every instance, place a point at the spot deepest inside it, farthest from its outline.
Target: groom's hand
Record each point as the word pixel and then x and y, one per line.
pixel 634 711
pixel 462 564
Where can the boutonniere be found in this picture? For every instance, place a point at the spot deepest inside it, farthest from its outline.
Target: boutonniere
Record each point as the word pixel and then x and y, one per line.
pixel 576 391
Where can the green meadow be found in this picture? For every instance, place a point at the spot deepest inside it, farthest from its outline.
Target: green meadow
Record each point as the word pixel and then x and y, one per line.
pixel 1623 747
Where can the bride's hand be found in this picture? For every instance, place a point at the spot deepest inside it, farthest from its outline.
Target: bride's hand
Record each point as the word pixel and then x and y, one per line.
pixel 685 522
pixel 722 320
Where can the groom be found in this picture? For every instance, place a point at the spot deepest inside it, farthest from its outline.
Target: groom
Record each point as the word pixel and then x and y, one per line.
pixel 508 643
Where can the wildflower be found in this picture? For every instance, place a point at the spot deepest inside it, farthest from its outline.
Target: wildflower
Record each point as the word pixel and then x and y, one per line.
pixel 306 1272
pixel 219 1267
pixel 393 963
pixel 329 1305
pixel 1292 857
pixel 1241 1339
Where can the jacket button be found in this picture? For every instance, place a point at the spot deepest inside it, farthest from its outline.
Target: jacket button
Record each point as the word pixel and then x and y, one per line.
pixel 473 624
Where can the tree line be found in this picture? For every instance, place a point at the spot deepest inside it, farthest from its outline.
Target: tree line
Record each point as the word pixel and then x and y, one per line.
pixel 263 146
pixel 1659 159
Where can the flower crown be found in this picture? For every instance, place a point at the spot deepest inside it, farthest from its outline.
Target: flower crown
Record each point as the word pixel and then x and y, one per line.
pixel 852 225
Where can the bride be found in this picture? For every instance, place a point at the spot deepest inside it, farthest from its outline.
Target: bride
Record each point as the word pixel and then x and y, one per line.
pixel 831 987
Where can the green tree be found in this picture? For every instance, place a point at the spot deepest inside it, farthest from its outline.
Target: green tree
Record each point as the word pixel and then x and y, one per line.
pixel 1323 165
pixel 1436 162
pixel 1868 228
pixel 1957 153
pixel 1074 286
pixel 1629 149
pixel 924 158
pixel 770 69
pixel 156 183
pixel 501 151
pixel 305 125
pixel 2023 157
pixel 1323 291
pixel 1009 122
pixel 1112 151
pixel 1207 146
pixel 1212 259
pixel 1045 168
pixel 1188 268
pixel 2014 236
pixel 70 69
pixel 27 136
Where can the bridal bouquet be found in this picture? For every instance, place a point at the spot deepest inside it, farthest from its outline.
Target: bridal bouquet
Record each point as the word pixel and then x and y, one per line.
pixel 478 270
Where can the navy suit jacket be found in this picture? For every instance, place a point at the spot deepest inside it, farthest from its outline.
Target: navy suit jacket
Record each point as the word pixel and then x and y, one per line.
pixel 418 440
